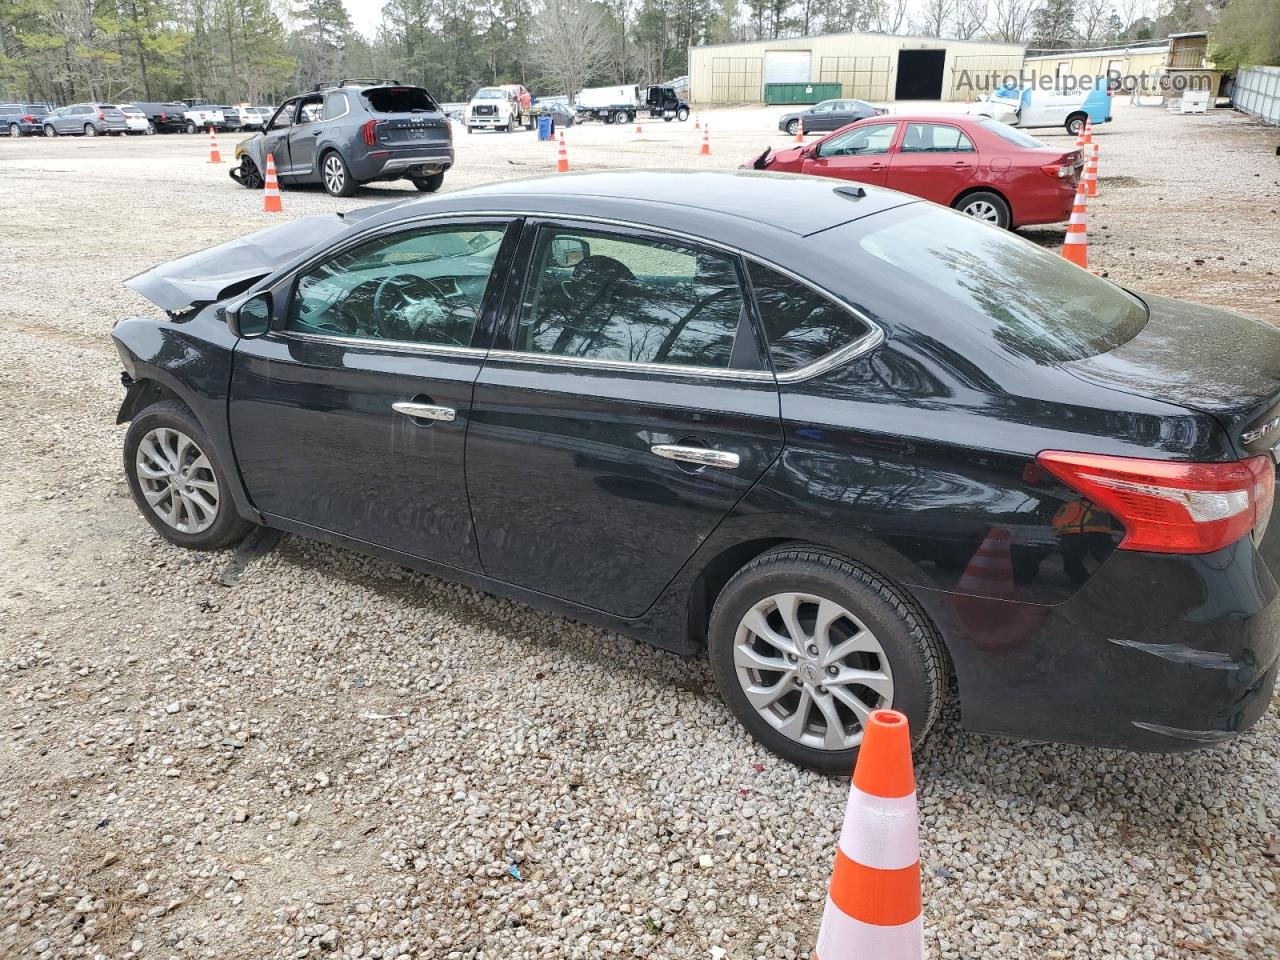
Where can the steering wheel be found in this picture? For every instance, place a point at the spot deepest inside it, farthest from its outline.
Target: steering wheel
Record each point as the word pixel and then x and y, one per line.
pixel 394 292
pixel 669 341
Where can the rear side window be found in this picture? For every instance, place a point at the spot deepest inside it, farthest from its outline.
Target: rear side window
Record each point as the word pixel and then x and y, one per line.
pixel 1013 135
pixel 335 105
pixel 1032 302
pixel 399 100
pixel 603 296
pixel 800 324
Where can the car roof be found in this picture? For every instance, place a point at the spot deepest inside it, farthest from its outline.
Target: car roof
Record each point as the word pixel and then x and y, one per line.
pixel 673 199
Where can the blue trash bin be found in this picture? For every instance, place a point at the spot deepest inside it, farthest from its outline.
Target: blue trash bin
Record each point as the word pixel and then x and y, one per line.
pixel 544 127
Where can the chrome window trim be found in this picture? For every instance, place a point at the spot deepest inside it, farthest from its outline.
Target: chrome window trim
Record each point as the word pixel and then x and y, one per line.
pixel 396 346
pixel 874 337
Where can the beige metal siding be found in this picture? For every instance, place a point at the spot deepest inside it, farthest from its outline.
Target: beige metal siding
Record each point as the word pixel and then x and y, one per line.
pixel 865 64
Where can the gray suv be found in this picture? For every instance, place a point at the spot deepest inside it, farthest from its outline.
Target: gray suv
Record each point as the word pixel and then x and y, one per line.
pixel 344 134
pixel 90 119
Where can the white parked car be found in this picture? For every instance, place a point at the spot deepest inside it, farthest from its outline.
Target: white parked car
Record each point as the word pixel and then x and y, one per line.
pixel 202 118
pixel 255 118
pixel 135 118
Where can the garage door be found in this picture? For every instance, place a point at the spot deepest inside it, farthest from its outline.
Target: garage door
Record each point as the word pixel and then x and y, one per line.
pixel 787 66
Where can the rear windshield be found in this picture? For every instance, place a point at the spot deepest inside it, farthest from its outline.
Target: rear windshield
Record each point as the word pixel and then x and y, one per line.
pixel 399 100
pixel 1030 300
pixel 1011 134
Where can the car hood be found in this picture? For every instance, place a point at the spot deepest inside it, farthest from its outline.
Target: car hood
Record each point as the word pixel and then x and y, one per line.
pixel 209 275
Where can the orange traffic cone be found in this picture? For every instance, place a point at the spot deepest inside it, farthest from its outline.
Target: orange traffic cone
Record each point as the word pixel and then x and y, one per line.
pixel 873 905
pixel 562 163
pixel 1075 247
pixel 1088 131
pixel 706 143
pixel 271 189
pixel 1080 140
pixel 697 123
pixel 1091 172
pixel 639 129
pixel 214 155
pixel 799 129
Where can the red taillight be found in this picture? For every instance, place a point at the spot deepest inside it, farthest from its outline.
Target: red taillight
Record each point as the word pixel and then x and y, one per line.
pixel 370 130
pixel 28 118
pixel 1167 506
pixel 101 116
pixel 1061 168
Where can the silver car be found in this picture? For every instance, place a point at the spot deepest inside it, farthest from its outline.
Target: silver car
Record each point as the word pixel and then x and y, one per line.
pixel 89 119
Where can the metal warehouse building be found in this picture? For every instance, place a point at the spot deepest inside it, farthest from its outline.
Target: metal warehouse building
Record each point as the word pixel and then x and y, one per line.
pixel 869 66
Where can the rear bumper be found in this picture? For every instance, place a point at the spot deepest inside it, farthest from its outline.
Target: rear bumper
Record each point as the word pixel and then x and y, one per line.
pixel 421 160
pixel 1155 653
pixel 1050 202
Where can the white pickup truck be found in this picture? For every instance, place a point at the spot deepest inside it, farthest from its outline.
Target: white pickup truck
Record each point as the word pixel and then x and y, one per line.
pixel 201 117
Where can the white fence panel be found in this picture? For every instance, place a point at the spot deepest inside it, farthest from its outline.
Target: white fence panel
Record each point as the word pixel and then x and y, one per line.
pixel 1257 92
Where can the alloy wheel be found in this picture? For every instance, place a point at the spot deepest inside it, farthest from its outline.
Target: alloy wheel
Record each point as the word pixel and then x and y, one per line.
pixel 335 175
pixel 177 480
pixel 15 130
pixel 982 210
pixel 811 669
pixel 90 130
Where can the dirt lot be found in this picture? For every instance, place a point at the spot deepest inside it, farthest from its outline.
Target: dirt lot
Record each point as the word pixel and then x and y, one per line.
pixel 340 757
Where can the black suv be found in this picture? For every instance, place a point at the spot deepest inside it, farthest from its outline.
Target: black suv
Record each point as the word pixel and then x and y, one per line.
pixel 164 117
pixel 352 132
pixel 17 119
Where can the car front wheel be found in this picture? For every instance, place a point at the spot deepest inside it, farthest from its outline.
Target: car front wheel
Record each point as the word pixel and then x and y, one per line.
pixel 804 644
pixel 336 177
pixel 793 128
pixel 177 480
pixel 682 114
pixel 191 127
pixel 50 130
pixel 15 130
pixel 986 206
pixel 151 128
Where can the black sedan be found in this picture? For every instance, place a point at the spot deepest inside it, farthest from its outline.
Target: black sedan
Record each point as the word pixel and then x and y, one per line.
pixel 828 115
pixel 865 442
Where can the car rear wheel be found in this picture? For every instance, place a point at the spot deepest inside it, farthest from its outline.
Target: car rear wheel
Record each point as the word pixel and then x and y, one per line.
pixel 335 176
pixel 620 117
pixel 793 127
pixel 90 130
pixel 429 184
pixel 985 206
pixel 15 130
pixel 804 644
pixel 50 130
pixel 1075 123
pixel 177 480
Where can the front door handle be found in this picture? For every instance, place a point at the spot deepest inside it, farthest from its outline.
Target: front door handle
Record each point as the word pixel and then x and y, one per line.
pixel 424 411
pixel 702 456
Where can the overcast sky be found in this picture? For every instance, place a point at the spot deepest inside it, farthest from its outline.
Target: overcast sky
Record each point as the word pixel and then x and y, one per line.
pixel 366 15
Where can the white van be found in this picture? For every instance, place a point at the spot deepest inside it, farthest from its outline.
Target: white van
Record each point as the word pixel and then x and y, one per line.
pixel 1034 107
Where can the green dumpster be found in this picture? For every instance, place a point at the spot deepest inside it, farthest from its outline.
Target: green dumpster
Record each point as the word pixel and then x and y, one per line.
pixel 788 93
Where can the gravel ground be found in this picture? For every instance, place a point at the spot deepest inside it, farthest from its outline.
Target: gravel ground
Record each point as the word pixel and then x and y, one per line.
pixel 339 757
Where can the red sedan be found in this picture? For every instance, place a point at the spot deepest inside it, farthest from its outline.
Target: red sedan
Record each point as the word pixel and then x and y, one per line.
pixel 976 165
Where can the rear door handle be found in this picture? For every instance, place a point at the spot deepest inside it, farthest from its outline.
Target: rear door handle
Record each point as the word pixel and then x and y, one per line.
pixel 424 411
pixel 702 456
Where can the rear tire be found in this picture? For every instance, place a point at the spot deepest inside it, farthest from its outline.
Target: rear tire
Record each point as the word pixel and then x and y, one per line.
pixel 336 176
pixel 1075 123
pixel 986 206
pixel 90 130
pixel 172 420
pixel 894 642
pixel 15 131
pixel 151 128
pixel 429 184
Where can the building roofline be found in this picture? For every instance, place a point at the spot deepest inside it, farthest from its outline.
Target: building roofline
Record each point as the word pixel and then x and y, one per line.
pixel 1145 46
pixel 855 33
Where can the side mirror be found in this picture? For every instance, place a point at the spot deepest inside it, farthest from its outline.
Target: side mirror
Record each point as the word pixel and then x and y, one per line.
pixel 251 318
pixel 810 151
pixel 569 251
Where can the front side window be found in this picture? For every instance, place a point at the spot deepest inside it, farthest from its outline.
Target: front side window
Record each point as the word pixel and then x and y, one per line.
pixel 800 324
pixel 860 142
pixel 422 286
pixel 312 111
pixel 935 138
pixel 603 296
pixel 284 118
pixel 826 107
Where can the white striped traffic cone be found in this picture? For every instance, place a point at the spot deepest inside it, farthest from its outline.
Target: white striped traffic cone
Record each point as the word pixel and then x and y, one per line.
pixel 800 129
pixel 214 155
pixel 271 189
pixel 562 160
pixel 873 907
pixel 1075 246
pixel 1091 173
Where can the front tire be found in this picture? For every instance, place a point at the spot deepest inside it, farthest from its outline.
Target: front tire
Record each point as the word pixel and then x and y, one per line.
pixel 15 131
pixel 50 130
pixel 151 129
pixel 804 644
pixel 429 184
pixel 178 481
pixel 682 114
pixel 191 127
pixel 986 206
pixel 336 177
pixel 793 127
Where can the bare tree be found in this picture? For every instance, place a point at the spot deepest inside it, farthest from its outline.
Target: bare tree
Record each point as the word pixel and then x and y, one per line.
pixel 572 42
pixel 934 17
pixel 1093 18
pixel 1129 11
pixel 886 16
pixel 970 19
pixel 1010 20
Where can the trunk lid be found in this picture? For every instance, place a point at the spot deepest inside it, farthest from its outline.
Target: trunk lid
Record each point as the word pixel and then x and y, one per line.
pixel 1205 359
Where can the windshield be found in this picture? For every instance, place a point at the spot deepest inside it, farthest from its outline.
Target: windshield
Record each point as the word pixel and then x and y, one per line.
pixel 1011 134
pixel 1031 301
pixel 490 93
pixel 399 100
